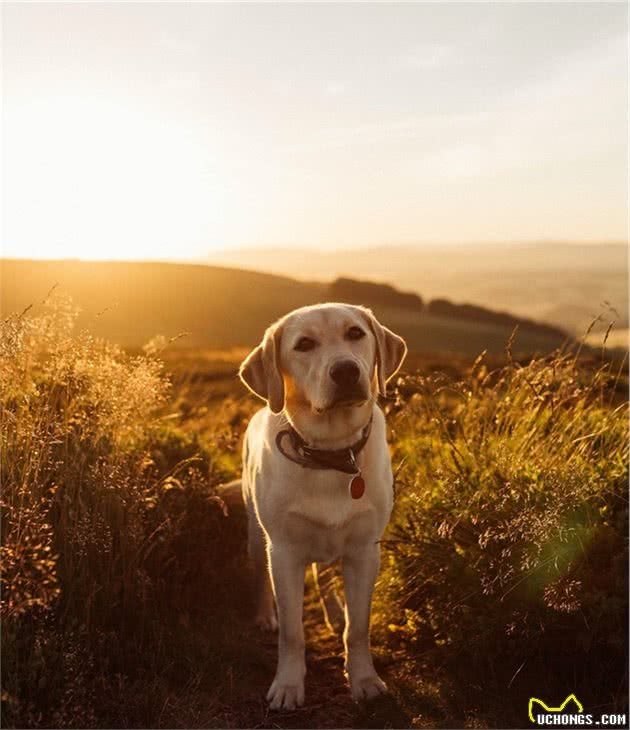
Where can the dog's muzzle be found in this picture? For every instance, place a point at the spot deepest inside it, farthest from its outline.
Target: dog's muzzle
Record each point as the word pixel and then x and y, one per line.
pixel 346 375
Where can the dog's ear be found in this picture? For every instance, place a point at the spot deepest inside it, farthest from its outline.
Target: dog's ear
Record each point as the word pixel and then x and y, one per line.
pixel 390 350
pixel 260 371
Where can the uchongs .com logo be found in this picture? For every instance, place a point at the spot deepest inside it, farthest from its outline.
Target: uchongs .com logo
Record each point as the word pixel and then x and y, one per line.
pixel 570 714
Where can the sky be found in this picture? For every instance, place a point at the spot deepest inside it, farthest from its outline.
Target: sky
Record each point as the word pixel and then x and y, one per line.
pixel 167 131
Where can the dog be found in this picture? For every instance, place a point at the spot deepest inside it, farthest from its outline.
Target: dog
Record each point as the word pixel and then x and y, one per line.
pixel 317 479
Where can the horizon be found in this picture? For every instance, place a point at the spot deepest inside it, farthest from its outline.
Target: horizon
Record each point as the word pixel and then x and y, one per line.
pixel 209 258
pixel 165 132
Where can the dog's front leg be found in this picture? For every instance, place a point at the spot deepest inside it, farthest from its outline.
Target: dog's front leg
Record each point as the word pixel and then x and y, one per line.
pixel 287 576
pixel 360 569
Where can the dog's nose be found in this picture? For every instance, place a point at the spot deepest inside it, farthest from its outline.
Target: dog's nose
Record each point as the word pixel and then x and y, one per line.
pixel 345 373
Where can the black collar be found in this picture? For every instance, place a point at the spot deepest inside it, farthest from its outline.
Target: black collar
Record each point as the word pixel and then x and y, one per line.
pixel 340 459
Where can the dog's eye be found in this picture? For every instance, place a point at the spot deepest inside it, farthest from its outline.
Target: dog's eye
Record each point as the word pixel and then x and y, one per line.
pixel 304 344
pixel 355 333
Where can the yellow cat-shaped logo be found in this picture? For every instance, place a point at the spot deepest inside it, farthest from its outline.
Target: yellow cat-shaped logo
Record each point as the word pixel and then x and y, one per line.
pixel 579 705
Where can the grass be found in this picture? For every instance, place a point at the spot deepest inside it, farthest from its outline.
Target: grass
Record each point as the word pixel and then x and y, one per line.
pixel 125 594
pixel 113 537
pixel 507 554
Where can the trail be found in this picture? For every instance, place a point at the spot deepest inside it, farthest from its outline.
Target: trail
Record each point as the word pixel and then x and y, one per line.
pixel 328 703
pixel 250 665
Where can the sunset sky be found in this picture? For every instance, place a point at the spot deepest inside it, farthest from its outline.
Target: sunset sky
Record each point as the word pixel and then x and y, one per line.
pixel 169 130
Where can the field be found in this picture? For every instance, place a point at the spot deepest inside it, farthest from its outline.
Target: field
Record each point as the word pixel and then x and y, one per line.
pixel 126 590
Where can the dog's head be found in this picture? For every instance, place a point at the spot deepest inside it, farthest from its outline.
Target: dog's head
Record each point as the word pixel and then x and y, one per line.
pixel 323 360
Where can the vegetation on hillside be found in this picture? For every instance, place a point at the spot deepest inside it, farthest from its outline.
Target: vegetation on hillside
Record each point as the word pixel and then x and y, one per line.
pixel 475 313
pixel 124 586
pixel 130 302
pixel 113 539
pixel 507 557
pixel 560 283
pixel 372 293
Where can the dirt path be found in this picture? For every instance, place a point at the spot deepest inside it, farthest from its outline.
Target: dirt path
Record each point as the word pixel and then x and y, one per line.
pixel 328 703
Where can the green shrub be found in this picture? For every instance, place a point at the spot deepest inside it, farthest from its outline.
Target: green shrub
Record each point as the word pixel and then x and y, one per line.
pixel 508 546
pixel 112 531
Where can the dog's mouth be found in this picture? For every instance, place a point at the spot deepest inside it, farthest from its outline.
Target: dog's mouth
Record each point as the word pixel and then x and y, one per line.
pixel 348 399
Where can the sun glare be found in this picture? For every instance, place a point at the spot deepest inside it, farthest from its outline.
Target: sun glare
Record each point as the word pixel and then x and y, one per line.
pixel 166 131
pixel 108 182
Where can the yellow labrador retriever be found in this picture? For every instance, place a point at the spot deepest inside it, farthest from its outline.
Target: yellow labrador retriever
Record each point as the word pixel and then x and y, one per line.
pixel 317 477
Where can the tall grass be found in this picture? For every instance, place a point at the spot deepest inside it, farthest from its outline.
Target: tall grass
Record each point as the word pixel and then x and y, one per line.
pixel 112 532
pixel 504 569
pixel 507 555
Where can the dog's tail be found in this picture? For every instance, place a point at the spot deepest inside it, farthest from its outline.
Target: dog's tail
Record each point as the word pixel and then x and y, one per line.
pixel 231 493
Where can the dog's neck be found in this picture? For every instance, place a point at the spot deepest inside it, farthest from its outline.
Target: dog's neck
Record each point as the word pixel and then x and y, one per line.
pixel 338 428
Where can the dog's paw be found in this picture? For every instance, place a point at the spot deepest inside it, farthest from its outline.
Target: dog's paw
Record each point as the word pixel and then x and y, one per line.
pixel 266 621
pixel 367 687
pixel 286 695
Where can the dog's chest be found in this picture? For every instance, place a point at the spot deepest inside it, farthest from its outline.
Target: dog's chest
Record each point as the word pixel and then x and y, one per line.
pixel 315 543
pixel 321 519
pixel 325 497
pixel 319 542
pixel 313 510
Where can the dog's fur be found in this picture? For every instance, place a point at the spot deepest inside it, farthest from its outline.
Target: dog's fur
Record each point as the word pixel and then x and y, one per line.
pixel 298 515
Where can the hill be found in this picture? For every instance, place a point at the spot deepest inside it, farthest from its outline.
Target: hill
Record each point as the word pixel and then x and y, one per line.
pixel 563 284
pixel 220 307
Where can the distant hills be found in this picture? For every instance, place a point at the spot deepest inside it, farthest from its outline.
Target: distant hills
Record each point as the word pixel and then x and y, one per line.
pixel 563 284
pixel 362 292
pixel 224 307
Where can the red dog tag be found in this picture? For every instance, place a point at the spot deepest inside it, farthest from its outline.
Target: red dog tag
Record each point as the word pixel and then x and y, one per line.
pixel 357 487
